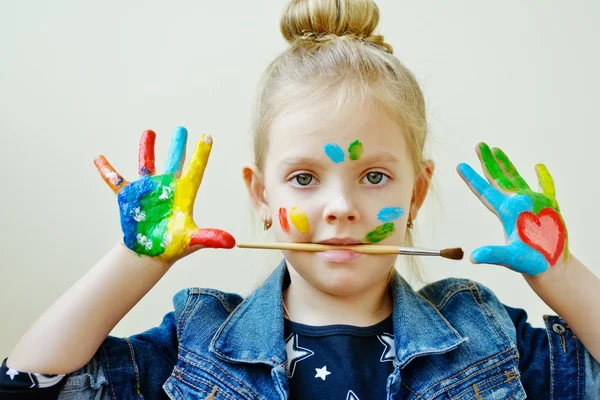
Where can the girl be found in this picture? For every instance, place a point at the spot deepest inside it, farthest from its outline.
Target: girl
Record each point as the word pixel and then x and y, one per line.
pixel 340 129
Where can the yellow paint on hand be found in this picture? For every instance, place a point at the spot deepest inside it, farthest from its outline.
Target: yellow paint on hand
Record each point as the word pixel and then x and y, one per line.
pixel 181 225
pixel 299 220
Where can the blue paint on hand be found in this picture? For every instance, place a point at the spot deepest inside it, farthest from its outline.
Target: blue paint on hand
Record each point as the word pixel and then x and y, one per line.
pixel 389 214
pixel 335 152
pixel 517 256
pixel 129 201
pixel 177 150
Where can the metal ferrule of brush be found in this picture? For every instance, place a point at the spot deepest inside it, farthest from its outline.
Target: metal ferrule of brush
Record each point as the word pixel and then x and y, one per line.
pixel 418 251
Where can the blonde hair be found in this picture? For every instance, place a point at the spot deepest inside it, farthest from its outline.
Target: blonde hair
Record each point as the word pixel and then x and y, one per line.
pixel 333 53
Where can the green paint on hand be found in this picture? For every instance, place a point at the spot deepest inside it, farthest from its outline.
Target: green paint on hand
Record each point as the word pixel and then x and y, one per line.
pixel 355 150
pixel 157 207
pixel 380 233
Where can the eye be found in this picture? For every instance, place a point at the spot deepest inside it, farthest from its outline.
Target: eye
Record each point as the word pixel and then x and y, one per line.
pixel 303 179
pixel 376 178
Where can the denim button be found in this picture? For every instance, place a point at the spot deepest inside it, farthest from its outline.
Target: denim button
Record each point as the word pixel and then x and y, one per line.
pixel 558 328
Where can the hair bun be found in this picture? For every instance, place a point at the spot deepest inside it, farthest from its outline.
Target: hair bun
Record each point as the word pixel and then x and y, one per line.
pixel 320 19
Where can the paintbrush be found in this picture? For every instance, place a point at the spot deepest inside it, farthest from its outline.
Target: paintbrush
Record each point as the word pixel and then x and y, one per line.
pixel 455 253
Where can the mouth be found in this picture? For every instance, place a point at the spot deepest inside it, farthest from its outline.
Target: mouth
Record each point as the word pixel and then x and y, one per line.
pixel 341 255
pixel 341 241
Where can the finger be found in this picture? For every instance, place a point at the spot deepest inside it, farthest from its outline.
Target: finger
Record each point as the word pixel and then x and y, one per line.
pixel 108 173
pixel 146 154
pixel 176 151
pixel 510 169
pixel 545 180
pixel 492 169
pixel 188 186
pixel 491 196
pixel 213 238
pixel 516 256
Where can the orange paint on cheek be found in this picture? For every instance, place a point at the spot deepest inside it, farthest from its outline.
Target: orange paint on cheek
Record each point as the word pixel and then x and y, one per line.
pixel 283 221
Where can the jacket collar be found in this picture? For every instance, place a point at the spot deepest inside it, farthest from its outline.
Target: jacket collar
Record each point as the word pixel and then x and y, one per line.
pixel 253 333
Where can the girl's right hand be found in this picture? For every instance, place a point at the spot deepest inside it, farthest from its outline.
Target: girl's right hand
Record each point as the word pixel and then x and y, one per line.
pixel 156 210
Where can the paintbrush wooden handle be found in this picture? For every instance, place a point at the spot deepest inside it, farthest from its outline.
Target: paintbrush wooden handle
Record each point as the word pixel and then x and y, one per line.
pixel 363 248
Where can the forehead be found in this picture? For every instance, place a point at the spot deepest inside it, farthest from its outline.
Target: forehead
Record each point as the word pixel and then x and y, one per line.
pixel 308 129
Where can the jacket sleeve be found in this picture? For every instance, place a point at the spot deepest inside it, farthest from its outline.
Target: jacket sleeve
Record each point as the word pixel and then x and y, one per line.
pixel 553 362
pixel 133 367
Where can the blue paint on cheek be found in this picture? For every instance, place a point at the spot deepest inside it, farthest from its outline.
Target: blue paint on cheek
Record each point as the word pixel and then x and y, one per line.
pixel 334 152
pixel 389 214
pixel 129 200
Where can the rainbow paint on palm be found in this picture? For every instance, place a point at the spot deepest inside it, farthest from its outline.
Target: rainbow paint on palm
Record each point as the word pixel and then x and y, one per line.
pixel 156 211
pixel 535 230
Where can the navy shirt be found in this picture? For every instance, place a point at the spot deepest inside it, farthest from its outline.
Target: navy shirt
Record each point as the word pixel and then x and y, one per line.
pixel 339 361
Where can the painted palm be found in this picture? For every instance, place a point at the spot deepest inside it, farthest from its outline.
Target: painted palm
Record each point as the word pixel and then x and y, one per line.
pixel 156 210
pixel 536 235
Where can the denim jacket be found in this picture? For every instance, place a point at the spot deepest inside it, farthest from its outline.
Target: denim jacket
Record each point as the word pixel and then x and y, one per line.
pixel 453 340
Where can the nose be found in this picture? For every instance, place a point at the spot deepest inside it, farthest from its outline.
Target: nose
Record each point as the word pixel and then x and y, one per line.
pixel 341 209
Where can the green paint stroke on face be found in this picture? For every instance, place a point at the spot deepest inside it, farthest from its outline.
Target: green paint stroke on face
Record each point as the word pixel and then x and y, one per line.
pixel 157 207
pixel 355 150
pixel 380 233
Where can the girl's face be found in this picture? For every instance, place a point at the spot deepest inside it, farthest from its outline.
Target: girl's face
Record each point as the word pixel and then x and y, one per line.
pixel 346 178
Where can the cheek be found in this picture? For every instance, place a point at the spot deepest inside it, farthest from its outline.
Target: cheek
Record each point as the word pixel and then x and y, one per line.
pixel 295 220
pixel 386 223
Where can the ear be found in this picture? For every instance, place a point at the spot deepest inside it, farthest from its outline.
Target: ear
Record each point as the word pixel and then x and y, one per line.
pixel 421 188
pixel 254 181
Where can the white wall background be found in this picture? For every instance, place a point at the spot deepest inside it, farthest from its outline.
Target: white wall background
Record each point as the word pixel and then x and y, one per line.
pixel 78 79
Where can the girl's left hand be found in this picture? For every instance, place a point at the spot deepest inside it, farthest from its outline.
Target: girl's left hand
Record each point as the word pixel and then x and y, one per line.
pixel 536 235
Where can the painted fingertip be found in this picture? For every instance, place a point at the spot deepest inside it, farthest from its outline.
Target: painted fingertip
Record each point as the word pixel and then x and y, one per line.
pixel 149 132
pixel 463 168
pixel 207 139
pixel 480 256
pixel 180 130
pixel 472 260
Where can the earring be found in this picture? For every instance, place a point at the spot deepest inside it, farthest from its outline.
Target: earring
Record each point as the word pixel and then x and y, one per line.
pixel 410 222
pixel 267 224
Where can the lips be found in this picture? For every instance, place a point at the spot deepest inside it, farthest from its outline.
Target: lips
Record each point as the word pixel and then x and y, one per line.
pixel 341 241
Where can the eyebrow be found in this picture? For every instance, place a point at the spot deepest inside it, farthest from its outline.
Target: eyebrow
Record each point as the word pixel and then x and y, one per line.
pixel 382 157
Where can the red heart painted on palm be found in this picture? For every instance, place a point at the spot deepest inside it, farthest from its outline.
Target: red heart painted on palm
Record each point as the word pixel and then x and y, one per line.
pixel 545 232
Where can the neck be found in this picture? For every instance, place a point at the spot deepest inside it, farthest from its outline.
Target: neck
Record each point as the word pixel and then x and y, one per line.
pixel 312 306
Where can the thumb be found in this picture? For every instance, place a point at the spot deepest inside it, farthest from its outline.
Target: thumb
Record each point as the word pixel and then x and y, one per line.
pixel 516 256
pixel 213 238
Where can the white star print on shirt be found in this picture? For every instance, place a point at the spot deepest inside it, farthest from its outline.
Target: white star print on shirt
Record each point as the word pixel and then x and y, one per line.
pixel 322 372
pixel 12 373
pixel 295 353
pixel 352 396
pixel 389 353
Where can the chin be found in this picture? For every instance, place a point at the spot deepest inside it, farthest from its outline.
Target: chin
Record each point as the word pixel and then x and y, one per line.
pixel 341 278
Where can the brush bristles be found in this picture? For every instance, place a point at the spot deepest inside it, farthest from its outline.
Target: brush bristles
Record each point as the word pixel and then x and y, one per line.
pixel 455 253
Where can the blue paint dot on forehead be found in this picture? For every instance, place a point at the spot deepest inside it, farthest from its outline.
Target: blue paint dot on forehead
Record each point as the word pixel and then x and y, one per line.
pixel 389 214
pixel 334 152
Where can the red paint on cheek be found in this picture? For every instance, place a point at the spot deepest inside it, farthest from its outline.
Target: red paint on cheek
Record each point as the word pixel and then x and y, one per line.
pixel 213 238
pixel 545 232
pixel 283 220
